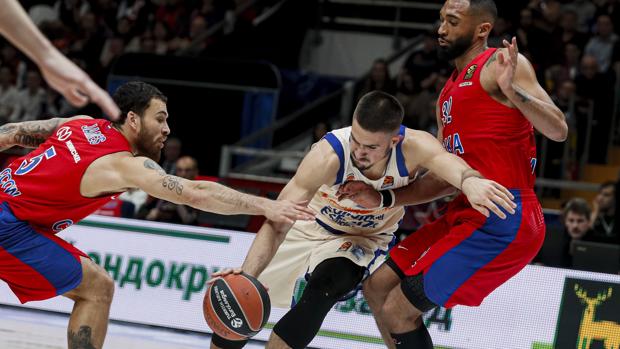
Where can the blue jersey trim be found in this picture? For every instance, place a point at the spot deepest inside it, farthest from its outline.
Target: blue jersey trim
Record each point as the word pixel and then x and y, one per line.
pixel 337 146
pixel 400 158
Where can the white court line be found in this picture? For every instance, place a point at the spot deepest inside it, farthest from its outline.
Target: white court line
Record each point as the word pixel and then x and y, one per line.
pixel 22 328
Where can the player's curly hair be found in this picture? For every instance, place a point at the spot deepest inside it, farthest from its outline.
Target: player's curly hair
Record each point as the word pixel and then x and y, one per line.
pixel 379 112
pixel 135 96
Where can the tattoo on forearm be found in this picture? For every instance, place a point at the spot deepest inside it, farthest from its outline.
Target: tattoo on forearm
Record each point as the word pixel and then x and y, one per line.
pixel 82 339
pixel 29 134
pixel 30 141
pixel 173 183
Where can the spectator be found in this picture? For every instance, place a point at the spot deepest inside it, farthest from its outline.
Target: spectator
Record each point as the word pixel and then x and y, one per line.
pixel 576 216
pixel 568 70
pixel 164 211
pixel 8 94
pixel 30 100
pixel 422 62
pixel 136 196
pixel 603 214
pixel 172 151
pixel 570 33
pixel 601 46
pixel 379 79
pixel 585 11
pixel 500 32
pixel 594 85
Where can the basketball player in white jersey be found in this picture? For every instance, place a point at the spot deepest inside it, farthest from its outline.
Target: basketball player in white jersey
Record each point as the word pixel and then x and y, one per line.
pixel 343 243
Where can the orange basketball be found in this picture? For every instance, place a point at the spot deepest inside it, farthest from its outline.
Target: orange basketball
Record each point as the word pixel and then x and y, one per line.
pixel 237 306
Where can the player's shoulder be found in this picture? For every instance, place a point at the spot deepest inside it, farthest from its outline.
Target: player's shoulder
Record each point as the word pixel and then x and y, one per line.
pixel 414 137
pixel 324 152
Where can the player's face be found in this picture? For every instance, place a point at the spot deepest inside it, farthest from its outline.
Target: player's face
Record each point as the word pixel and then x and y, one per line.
pixel 153 130
pixel 368 148
pixel 456 30
pixel 576 224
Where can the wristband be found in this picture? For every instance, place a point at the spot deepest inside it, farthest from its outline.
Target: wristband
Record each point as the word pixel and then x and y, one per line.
pixel 387 198
pixel 469 173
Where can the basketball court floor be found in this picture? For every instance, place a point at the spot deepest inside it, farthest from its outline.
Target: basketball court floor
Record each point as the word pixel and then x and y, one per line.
pixel 22 328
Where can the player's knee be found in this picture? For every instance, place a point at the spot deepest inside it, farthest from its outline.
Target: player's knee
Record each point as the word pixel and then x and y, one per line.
pixel 97 285
pixel 334 278
pixel 103 287
pixel 375 296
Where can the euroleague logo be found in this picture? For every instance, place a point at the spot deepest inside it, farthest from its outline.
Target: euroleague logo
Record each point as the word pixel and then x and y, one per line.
pixel 63 133
pixel 236 322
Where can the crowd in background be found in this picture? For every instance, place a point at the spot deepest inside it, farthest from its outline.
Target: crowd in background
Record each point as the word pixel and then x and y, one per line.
pixel 573 45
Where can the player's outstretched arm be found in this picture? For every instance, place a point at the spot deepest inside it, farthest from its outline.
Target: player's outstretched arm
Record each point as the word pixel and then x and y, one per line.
pixel 144 173
pixel 60 73
pixel 319 167
pixel 517 80
pixel 30 134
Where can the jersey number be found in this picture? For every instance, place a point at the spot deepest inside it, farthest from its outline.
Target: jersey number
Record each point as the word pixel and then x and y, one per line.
pixel 29 165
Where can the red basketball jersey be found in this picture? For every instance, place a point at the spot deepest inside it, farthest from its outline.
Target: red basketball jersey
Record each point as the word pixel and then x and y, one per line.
pixel 43 187
pixel 494 139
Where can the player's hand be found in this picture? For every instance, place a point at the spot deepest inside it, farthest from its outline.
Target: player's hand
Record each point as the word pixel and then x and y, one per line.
pixel 506 65
pixel 485 195
pixel 359 192
pixel 75 85
pixel 222 273
pixel 285 211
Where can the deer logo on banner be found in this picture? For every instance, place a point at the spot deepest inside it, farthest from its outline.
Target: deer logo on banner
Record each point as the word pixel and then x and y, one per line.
pixel 607 332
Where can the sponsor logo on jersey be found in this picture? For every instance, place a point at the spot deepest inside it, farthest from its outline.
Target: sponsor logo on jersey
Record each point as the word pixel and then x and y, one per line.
pixel 348 219
pixel 7 183
pixel 350 177
pixel 61 225
pixel 63 133
pixel 93 134
pixel 470 72
pixel 345 246
pixel 466 83
pixel 358 252
pixel 387 182
pixel 74 152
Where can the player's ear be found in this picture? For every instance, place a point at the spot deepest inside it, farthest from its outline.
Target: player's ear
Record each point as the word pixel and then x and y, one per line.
pixel 484 29
pixel 396 139
pixel 133 120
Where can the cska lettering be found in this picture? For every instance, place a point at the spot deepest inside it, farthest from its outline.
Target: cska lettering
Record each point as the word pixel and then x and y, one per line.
pixel 446 110
pixel 453 144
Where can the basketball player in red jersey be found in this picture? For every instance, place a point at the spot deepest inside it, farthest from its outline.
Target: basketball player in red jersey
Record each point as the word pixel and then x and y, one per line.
pixel 485 115
pixel 79 164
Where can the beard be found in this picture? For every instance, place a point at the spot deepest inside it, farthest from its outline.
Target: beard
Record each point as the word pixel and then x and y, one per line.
pixel 146 147
pixel 457 48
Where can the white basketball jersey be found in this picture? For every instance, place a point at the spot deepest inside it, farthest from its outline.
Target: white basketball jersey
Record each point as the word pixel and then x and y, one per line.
pixel 346 217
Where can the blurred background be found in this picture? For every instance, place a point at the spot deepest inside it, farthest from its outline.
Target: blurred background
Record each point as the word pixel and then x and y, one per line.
pixel 253 83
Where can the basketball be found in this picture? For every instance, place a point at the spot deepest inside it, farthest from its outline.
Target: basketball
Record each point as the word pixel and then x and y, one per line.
pixel 236 307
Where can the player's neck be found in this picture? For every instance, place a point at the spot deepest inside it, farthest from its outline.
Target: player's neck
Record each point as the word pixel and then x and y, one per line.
pixel 476 49
pixel 131 140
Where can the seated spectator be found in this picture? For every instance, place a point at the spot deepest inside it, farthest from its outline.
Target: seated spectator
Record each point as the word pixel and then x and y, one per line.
pixel 603 214
pixel 172 151
pixel 116 208
pixel 379 79
pixel 601 46
pixel 136 196
pixel 8 94
pixel 164 211
pixel 576 216
pixel 31 100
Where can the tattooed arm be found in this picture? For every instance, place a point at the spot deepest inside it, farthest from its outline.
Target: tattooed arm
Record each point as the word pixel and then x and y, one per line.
pixel 146 174
pixel 30 134
pixel 516 78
